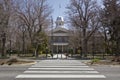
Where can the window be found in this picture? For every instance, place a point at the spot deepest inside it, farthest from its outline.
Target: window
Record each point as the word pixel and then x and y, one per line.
pixel 59 39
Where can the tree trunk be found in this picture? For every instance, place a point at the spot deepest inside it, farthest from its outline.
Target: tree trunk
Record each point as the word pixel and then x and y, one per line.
pixel 23 42
pixel 36 50
pixel 93 45
pixel 84 45
pixel 3 44
pixel 117 54
pixel 85 48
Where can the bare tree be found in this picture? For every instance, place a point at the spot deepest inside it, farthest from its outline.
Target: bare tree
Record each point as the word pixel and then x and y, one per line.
pixel 35 16
pixel 5 14
pixel 16 15
pixel 81 14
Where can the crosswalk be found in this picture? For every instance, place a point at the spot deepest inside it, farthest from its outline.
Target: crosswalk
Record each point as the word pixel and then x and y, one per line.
pixel 49 69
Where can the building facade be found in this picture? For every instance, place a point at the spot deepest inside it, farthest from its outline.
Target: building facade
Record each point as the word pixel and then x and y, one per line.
pixel 62 40
pixel 59 37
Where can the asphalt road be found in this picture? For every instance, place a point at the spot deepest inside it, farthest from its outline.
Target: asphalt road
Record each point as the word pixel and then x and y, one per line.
pixel 60 70
pixel 10 72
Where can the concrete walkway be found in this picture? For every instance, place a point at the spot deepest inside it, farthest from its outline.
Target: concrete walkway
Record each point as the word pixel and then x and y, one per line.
pixel 63 56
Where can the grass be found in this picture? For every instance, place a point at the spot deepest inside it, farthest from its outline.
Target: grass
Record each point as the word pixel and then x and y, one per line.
pixel 96 60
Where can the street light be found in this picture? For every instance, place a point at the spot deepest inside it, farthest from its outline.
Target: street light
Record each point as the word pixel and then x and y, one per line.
pixel 23 37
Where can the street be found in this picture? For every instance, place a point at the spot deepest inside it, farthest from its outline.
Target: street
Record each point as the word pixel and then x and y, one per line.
pixel 9 72
pixel 60 70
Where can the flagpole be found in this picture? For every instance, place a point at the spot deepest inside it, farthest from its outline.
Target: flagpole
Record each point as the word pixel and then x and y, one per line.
pixel 59 9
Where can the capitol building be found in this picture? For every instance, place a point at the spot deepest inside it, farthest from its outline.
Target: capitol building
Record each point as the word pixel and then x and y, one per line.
pixel 62 40
pixel 59 37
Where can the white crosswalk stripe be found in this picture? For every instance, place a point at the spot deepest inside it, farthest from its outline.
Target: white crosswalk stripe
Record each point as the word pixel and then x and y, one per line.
pixel 59 76
pixel 62 68
pixel 58 69
pixel 61 72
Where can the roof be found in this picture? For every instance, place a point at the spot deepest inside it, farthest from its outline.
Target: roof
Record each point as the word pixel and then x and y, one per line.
pixel 60 29
pixel 59 18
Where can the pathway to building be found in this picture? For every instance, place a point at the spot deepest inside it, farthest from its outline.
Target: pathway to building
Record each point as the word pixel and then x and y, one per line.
pixel 60 56
pixel 60 70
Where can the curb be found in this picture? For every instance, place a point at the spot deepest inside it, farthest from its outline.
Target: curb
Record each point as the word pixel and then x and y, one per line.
pixel 25 64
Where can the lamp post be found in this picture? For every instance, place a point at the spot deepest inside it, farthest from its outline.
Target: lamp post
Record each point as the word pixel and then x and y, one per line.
pixel 23 38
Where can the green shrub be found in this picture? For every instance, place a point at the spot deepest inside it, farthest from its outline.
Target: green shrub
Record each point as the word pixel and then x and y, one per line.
pixel 95 60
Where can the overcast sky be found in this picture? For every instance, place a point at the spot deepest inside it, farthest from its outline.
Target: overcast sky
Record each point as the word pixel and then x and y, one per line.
pixel 59 7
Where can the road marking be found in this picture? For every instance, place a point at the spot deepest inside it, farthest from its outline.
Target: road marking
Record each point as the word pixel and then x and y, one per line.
pixel 60 64
pixel 59 76
pixel 62 68
pixel 61 72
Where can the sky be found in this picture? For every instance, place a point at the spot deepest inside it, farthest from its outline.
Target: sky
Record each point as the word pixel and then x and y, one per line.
pixel 58 7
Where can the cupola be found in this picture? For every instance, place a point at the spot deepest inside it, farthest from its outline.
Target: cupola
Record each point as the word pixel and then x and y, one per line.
pixel 59 21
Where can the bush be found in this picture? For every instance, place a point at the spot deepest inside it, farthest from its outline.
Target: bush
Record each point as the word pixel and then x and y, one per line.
pixel 94 60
